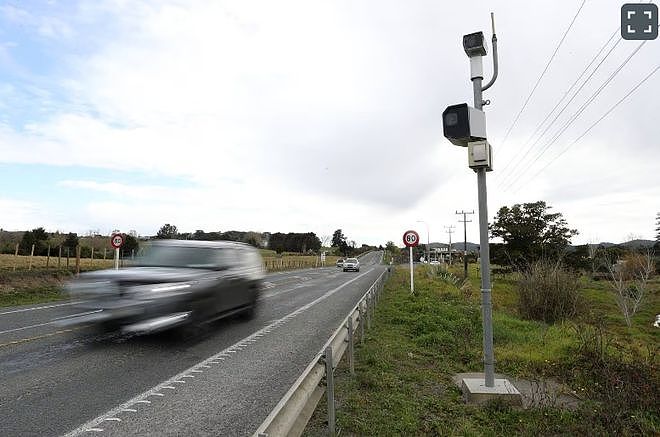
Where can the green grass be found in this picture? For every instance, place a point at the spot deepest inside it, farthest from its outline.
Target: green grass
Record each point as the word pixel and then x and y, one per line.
pixel 403 372
pixel 31 287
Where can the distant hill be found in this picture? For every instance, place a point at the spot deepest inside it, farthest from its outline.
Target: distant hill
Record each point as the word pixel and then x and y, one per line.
pixel 638 244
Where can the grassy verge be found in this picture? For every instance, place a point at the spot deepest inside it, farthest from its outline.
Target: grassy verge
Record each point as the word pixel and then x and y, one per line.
pixel 403 372
pixel 24 287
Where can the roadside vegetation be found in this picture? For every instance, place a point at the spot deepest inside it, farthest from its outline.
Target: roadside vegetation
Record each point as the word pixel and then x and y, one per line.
pixel 578 318
pixel 403 382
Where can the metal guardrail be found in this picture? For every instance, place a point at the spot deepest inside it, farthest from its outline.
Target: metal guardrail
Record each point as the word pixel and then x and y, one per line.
pixel 291 414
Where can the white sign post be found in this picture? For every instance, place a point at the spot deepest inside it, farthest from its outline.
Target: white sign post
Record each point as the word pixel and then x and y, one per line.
pixel 116 240
pixel 411 239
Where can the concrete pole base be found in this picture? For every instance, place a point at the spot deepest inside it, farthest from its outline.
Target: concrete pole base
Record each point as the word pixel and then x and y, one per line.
pixel 475 391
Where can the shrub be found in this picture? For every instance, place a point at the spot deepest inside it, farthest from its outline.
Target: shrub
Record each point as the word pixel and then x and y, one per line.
pixel 548 292
pixel 621 381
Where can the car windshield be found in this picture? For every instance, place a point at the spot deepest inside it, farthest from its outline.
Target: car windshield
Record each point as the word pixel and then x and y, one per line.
pixel 179 256
pixel 352 260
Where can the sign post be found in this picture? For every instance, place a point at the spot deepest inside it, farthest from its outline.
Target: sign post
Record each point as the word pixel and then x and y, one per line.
pixel 411 239
pixel 116 240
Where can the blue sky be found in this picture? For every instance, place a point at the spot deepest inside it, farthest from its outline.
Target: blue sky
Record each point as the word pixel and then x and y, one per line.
pixel 307 116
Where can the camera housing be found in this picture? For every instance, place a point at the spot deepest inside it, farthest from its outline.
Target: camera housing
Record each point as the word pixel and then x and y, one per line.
pixel 462 123
pixel 474 44
pixel 480 155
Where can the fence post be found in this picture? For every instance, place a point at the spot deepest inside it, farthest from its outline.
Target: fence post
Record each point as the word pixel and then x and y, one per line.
pixel 91 260
pixel 59 257
pixel 48 257
pixel 16 256
pixel 31 255
pixel 351 357
pixel 68 254
pixel 105 249
pixel 362 322
pixel 330 389
pixel 78 259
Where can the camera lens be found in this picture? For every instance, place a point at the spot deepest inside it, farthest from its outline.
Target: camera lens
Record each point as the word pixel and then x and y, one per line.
pixel 451 119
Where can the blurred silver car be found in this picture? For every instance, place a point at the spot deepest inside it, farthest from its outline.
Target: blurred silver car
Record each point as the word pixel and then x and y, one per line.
pixel 351 264
pixel 176 282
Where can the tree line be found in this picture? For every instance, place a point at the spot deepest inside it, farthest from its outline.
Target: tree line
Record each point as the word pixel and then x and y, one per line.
pixel 42 241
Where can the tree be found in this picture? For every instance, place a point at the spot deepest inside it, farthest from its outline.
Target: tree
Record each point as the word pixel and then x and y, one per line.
pixel 71 241
pixel 629 279
pixel 657 227
pixel 530 232
pixel 131 244
pixel 167 231
pixel 38 237
pixel 338 239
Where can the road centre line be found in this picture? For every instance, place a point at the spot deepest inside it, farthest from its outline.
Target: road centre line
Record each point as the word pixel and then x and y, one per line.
pixel 25 327
pixel 92 424
pixel 22 328
pixel 40 308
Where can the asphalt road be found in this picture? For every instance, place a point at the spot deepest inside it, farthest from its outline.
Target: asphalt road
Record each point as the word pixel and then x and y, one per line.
pixel 223 381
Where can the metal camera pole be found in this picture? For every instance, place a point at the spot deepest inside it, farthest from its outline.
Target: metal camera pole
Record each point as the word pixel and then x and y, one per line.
pixel 476 74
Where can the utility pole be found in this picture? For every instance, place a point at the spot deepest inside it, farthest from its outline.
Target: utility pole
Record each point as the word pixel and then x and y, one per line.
pixel 450 230
pixel 428 241
pixel 465 221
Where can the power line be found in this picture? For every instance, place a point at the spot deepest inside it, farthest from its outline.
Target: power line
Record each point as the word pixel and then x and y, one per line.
pixel 547 65
pixel 521 158
pixel 575 116
pixel 538 127
pixel 648 76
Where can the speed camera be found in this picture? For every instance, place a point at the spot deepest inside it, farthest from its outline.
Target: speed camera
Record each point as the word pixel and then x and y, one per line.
pixel 462 123
pixel 474 44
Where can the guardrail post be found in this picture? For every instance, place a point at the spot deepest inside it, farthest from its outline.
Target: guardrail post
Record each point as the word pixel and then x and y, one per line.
pixel 351 357
pixel 362 322
pixel 330 389
pixel 368 304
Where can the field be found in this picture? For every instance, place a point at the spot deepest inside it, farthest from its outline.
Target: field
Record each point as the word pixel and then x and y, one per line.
pixel 40 279
pixel 403 383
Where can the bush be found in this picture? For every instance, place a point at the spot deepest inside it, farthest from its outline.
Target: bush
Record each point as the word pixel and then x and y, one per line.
pixel 622 383
pixel 549 293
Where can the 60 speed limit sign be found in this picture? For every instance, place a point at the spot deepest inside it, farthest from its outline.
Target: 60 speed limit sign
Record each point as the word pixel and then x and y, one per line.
pixel 117 240
pixel 411 238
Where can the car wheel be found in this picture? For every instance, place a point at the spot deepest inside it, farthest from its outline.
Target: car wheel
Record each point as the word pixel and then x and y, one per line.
pixel 357 270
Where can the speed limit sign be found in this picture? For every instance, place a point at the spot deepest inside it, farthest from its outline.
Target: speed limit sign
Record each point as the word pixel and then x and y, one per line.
pixel 411 238
pixel 117 240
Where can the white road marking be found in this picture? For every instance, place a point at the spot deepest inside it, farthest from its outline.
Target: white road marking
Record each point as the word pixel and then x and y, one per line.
pixel 157 394
pixel 141 397
pixel 22 310
pixel 25 327
pixel 142 401
pixel 38 325
pixel 77 314
pixel 129 410
pixel 94 430
pixel 113 419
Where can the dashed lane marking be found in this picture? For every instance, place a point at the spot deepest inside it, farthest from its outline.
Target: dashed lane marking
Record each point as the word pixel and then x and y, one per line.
pixel 185 374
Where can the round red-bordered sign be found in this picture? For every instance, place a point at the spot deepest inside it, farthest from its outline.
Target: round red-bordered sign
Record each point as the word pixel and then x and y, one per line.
pixel 116 240
pixel 410 238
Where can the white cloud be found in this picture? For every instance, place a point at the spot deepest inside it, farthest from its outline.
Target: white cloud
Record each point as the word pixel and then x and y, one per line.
pixel 312 115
